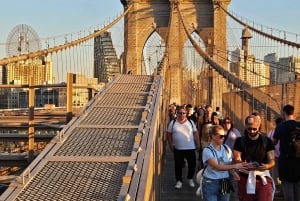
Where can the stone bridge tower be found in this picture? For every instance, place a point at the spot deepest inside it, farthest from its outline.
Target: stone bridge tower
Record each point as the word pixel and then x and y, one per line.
pixel 147 16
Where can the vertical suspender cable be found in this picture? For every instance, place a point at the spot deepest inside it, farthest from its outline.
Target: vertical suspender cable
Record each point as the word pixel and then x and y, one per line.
pixel 77 58
pixel 66 62
pixel 73 66
pixel 62 65
pixel 85 59
pixel 57 68
pixel 91 56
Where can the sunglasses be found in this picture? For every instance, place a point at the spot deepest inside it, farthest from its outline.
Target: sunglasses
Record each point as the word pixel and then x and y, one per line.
pixel 181 113
pixel 220 136
pixel 252 129
pixel 227 122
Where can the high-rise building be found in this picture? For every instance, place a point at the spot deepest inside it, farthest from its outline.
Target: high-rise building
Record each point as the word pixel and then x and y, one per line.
pixel 272 60
pixel 106 63
pixel 20 72
pixel 237 61
pixel 256 73
pixel 251 71
pixel 237 55
pixel 288 67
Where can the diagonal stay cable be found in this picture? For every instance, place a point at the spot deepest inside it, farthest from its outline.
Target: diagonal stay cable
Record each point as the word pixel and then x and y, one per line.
pixel 229 76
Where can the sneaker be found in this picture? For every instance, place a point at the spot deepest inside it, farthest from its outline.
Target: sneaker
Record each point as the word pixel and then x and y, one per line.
pixel 183 164
pixel 178 185
pixel 191 183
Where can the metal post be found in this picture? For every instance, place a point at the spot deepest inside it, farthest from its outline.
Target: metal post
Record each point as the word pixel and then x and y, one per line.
pixel 31 120
pixel 69 96
pixel 283 95
pixel 90 94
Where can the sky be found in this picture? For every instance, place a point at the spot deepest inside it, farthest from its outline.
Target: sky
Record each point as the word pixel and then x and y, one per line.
pixel 50 18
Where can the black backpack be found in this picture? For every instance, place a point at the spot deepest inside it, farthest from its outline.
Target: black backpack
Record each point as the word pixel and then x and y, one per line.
pixel 294 141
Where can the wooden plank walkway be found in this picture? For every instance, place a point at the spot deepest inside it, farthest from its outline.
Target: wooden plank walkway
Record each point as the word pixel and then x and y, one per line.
pixel 186 193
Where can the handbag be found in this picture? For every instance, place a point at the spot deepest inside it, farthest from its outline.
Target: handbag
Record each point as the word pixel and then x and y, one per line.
pixel 199 179
pixel 226 186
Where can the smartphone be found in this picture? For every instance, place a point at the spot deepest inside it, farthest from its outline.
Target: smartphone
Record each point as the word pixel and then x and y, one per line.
pixel 255 164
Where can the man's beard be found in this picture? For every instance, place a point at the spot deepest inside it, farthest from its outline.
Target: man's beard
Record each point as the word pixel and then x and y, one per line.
pixel 253 134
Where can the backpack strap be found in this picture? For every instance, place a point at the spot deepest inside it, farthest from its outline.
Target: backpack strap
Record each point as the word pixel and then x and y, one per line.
pixel 226 147
pixel 205 165
pixel 214 154
pixel 212 150
pixel 174 120
pixel 191 122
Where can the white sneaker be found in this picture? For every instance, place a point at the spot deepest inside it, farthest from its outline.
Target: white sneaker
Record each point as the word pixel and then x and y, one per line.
pixel 191 183
pixel 178 185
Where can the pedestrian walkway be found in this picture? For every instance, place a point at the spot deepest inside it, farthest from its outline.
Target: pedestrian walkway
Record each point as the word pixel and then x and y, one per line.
pixel 168 191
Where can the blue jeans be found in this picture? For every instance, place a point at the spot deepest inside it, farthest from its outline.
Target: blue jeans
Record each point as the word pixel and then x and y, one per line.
pixel 212 191
pixel 291 190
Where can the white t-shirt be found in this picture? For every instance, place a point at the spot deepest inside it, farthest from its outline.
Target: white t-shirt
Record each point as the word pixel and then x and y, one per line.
pixel 182 134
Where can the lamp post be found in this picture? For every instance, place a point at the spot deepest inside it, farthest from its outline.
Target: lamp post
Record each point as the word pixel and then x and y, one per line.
pixel 194 91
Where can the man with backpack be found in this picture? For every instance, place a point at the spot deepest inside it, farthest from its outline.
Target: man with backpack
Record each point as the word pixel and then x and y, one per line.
pixel 183 140
pixel 288 135
pixel 256 183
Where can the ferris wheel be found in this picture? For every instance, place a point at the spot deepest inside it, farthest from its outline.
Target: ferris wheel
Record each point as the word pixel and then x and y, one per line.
pixel 22 39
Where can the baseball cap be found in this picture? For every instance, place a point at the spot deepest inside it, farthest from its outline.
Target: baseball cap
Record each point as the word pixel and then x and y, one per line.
pixel 252 121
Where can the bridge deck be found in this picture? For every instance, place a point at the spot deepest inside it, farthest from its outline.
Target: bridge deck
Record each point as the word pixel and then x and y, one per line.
pixel 93 158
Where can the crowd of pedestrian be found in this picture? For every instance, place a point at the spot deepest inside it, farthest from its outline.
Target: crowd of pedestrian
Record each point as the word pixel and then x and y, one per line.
pixel 245 165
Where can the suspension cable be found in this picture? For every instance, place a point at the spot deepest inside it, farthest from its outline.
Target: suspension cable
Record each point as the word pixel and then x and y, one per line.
pixel 284 41
pixel 221 70
pixel 64 46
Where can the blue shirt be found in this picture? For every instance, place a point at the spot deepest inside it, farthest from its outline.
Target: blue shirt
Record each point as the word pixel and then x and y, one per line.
pixel 223 156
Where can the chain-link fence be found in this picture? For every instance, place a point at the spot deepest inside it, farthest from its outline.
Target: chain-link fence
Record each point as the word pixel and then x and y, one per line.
pixel 268 101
